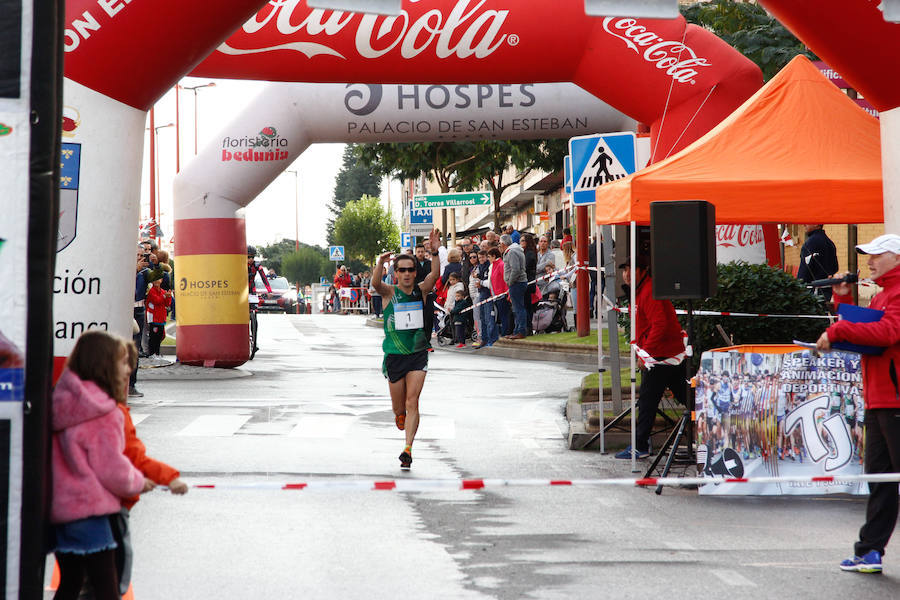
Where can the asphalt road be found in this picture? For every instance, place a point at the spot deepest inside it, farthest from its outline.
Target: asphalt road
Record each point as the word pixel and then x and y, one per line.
pixel 313 405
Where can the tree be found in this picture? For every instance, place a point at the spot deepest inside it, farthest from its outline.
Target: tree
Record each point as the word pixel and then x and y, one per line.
pixel 438 160
pixel 502 164
pixel 355 180
pixel 306 266
pixel 275 254
pixel 750 30
pixel 365 230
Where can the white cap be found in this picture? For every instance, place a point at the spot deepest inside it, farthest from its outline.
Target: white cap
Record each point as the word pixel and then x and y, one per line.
pixel 889 242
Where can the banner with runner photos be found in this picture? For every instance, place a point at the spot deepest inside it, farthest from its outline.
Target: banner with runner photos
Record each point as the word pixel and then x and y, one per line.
pixel 770 414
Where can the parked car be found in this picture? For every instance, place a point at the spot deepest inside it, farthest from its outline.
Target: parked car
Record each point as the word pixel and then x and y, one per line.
pixel 281 299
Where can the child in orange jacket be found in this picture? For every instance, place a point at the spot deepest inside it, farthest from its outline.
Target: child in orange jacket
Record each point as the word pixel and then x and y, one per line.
pixel 154 470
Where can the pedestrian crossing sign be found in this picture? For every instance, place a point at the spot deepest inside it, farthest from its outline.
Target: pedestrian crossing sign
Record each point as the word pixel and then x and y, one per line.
pixel 600 159
pixel 336 253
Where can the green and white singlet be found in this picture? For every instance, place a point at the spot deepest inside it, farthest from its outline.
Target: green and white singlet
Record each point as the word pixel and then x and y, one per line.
pixel 404 328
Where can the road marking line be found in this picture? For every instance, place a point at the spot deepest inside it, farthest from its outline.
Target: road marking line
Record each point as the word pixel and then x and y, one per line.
pixel 436 428
pixel 640 523
pixel 323 426
pixel 137 418
pixel 214 426
pixel 732 578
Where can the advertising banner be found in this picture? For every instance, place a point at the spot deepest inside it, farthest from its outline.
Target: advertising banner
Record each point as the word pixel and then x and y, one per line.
pixel 98 216
pixel 767 414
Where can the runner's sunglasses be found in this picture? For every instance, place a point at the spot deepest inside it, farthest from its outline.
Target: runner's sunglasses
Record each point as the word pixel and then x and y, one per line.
pixel 405 269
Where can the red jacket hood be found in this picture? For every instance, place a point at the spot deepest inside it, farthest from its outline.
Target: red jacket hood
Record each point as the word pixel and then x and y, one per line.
pixel 76 401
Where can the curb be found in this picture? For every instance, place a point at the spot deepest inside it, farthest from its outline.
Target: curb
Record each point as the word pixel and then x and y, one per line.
pixel 581 362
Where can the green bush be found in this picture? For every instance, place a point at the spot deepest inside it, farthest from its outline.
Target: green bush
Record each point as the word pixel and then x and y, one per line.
pixel 753 288
pixel 756 288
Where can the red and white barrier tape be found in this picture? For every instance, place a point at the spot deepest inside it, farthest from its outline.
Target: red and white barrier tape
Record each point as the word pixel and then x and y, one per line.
pixel 430 485
pixel 553 274
pixel 649 361
pixel 714 313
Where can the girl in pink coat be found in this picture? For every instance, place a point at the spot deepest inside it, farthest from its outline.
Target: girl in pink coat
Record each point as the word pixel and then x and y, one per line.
pixel 91 474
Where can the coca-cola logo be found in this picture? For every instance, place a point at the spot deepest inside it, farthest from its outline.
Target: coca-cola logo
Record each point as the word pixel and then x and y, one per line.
pixel 730 236
pixel 465 31
pixel 665 54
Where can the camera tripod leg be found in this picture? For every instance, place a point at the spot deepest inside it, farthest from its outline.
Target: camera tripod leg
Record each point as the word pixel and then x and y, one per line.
pixel 618 419
pixel 662 451
pixel 679 432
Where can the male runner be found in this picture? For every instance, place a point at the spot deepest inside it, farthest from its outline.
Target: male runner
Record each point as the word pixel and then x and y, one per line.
pixel 406 339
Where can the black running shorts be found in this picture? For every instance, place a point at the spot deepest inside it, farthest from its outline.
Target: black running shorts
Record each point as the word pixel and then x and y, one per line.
pixel 396 366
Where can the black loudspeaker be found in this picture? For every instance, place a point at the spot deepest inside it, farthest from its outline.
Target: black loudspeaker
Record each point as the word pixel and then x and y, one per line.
pixel 683 249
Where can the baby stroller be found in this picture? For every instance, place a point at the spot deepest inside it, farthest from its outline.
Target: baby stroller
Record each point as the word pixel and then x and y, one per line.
pixel 445 329
pixel 550 313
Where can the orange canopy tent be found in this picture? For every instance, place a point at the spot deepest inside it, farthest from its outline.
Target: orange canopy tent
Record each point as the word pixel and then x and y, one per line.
pixel 797 151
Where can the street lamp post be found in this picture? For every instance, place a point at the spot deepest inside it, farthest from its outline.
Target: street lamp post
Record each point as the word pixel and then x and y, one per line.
pixel 154 165
pixel 194 89
pixel 296 175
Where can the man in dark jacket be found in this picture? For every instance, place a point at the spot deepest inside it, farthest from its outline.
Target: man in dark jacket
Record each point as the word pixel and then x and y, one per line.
pixel 882 399
pixel 818 259
pixel 660 346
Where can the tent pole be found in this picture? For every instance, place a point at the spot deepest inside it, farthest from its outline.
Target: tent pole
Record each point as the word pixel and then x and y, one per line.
pixel 599 310
pixel 890 167
pixel 633 314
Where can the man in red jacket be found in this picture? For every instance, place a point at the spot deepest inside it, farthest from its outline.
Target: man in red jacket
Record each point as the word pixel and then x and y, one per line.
pixel 882 399
pixel 658 333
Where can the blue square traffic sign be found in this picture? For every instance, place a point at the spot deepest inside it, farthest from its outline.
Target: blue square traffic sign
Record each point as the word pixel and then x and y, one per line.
pixel 600 159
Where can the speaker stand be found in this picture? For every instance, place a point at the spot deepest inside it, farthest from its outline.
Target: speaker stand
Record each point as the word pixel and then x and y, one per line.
pixel 684 431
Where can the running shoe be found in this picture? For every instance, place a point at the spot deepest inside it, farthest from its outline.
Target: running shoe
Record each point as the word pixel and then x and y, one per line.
pixel 626 453
pixel 870 562
pixel 405 460
pixel 400 420
pixel 460 345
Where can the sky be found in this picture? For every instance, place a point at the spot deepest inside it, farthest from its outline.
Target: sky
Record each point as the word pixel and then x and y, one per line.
pixel 265 215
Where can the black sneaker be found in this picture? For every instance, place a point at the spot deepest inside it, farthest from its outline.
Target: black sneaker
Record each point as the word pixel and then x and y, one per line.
pixel 405 460
pixel 133 393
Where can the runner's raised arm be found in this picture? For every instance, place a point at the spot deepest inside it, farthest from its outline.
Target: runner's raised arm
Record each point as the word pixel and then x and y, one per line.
pixel 384 290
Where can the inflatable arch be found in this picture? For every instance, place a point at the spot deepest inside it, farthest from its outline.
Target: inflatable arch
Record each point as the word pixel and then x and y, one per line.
pixel 277 126
pixel 855 40
pixel 679 79
pixel 120 58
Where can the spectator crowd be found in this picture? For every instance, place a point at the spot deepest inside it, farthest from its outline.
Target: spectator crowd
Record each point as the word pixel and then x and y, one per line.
pixel 508 285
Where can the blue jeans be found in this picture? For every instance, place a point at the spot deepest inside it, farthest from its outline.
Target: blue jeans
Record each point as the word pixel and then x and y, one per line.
pixel 488 324
pixel 517 297
pixel 501 310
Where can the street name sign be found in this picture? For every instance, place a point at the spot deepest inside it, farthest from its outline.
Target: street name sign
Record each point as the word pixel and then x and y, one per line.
pixel 600 159
pixel 336 253
pixel 452 200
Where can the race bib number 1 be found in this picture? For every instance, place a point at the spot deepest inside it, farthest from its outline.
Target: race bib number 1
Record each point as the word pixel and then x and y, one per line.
pixel 408 315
